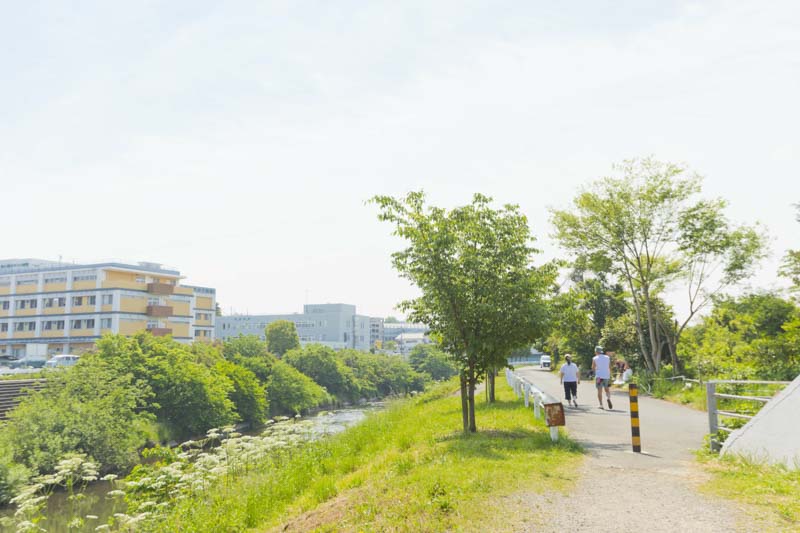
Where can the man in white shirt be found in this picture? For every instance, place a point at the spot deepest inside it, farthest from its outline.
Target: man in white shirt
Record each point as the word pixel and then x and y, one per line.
pixel 570 377
pixel 601 365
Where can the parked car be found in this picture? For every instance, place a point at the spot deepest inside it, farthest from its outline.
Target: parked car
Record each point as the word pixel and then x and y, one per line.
pixel 59 361
pixel 544 361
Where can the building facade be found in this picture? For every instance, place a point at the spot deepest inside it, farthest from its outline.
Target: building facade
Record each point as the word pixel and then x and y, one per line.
pixel 392 330
pixel 334 325
pixel 49 308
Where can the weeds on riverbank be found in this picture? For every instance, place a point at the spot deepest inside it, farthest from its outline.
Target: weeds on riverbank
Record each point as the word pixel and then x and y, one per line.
pixel 773 489
pixel 408 468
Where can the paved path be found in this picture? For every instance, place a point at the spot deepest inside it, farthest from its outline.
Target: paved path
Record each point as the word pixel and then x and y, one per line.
pixel 619 490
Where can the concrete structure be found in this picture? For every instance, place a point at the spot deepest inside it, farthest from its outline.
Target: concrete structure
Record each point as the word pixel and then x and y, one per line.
pixel 773 435
pixel 391 330
pixel 407 341
pixel 49 308
pixel 334 325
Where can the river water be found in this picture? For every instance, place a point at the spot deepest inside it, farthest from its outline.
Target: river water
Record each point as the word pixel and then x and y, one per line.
pixel 93 501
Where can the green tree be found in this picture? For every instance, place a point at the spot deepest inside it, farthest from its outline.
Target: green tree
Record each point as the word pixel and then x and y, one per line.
pixel 647 227
pixel 430 360
pixel 790 268
pixel 473 267
pixel 281 337
pixel 248 394
pixel 187 396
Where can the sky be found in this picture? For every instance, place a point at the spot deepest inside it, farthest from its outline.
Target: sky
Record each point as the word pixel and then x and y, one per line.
pixel 239 142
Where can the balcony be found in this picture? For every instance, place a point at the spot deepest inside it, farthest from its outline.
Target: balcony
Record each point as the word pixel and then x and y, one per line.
pixel 159 310
pixel 160 288
pixel 160 332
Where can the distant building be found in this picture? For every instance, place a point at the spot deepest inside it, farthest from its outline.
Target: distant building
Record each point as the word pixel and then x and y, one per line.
pixel 391 330
pixel 48 308
pixel 334 325
pixel 375 332
pixel 408 341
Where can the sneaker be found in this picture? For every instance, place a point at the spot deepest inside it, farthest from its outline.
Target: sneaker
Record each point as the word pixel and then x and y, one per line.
pixel 601 406
pixel 609 404
pixel 575 403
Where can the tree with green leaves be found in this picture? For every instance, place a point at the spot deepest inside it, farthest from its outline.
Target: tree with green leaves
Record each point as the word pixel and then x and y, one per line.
pixel 281 337
pixel 790 268
pixel 648 227
pixel 479 288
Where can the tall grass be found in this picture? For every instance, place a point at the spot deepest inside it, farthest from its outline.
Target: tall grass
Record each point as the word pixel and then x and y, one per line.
pixel 407 468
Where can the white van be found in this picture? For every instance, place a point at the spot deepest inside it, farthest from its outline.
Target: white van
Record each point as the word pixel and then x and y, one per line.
pixel 58 361
pixel 544 362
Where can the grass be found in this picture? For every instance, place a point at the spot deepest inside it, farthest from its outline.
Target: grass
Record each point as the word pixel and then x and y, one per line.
pixel 773 489
pixel 409 468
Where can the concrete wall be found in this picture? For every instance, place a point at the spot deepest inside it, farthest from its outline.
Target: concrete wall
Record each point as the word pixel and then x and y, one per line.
pixel 773 435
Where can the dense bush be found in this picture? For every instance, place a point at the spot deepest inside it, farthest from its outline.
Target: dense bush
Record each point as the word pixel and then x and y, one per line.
pixel 186 395
pixel 381 375
pixel 248 395
pixel 321 364
pixel 290 391
pixel 89 408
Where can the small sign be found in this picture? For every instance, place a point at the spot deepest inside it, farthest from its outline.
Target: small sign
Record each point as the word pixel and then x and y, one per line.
pixel 554 414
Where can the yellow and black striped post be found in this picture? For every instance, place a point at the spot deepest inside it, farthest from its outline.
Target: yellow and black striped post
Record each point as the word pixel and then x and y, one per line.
pixel 636 440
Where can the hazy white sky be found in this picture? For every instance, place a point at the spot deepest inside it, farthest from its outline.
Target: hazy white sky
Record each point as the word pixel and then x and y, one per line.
pixel 238 141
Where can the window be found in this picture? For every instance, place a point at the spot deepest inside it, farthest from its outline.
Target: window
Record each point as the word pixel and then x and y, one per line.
pixel 84 276
pixel 77 300
pixel 76 324
pixel 4 305
pixel 139 279
pixel 92 300
pixel 105 323
pixel 3 327
pixel 55 279
pixel 53 325
pixel 153 301
pixel 89 323
pixel 107 299
pixel 22 282
pixel 26 304
pixel 55 302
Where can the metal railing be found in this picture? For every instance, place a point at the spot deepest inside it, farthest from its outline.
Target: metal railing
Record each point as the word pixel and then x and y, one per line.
pixel 714 413
pixel 541 400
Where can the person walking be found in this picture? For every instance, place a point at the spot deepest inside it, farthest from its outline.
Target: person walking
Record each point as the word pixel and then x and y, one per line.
pixel 570 377
pixel 601 365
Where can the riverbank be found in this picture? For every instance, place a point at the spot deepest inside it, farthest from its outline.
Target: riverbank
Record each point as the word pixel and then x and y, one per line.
pixel 406 468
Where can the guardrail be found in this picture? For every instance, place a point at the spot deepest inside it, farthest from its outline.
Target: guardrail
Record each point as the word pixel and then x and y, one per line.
pixel 552 407
pixel 714 414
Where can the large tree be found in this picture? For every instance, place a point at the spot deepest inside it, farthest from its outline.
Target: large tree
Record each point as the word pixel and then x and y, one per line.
pixel 281 337
pixel 472 265
pixel 649 228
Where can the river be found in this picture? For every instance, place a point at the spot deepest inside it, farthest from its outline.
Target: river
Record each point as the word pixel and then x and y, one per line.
pixel 92 500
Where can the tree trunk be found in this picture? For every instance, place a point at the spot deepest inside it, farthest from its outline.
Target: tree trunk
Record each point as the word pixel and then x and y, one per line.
pixel 464 402
pixel 471 388
pixel 655 346
pixel 637 314
pixel 490 383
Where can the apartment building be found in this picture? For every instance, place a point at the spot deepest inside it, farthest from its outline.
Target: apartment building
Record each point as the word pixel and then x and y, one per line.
pixel 48 308
pixel 334 325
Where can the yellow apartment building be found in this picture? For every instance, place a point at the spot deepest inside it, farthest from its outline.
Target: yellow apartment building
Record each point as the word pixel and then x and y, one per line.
pixel 49 308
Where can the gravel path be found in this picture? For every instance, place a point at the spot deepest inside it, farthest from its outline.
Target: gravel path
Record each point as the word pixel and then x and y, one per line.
pixel 619 490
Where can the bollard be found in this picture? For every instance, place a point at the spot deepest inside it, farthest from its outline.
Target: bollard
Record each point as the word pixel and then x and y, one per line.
pixel 633 393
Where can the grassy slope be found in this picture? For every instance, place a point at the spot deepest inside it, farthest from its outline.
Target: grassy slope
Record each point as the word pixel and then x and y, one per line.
pixel 409 468
pixel 774 490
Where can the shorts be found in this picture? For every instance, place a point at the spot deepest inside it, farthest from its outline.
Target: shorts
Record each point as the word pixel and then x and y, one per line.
pixel 601 383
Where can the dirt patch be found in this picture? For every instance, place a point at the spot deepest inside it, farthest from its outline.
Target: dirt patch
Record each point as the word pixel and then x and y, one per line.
pixel 328 514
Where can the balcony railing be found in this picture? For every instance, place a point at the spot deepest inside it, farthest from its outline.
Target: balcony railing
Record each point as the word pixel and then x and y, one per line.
pixel 160 288
pixel 160 332
pixel 159 310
